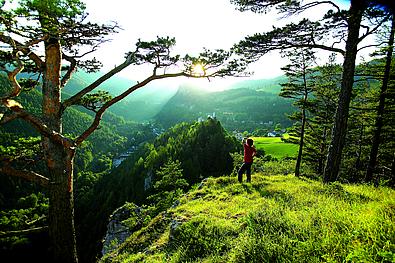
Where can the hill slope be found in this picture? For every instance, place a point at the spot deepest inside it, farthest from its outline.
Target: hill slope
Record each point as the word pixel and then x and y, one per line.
pixel 273 219
pixel 202 148
pixel 237 109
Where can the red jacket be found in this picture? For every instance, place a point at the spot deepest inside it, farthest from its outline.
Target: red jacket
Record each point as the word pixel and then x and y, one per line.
pixel 249 153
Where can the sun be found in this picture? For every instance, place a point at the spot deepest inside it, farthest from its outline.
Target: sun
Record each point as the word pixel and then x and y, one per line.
pixel 198 70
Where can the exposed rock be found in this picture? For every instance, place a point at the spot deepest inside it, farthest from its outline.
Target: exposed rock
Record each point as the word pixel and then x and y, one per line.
pixel 174 224
pixel 202 183
pixel 148 180
pixel 123 222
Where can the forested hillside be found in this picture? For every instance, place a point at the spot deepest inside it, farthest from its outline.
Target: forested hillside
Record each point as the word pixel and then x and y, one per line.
pixel 201 149
pixel 249 103
pixel 246 107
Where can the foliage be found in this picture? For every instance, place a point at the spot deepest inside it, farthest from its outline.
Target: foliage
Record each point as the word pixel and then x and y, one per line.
pixel 322 108
pixel 273 219
pixel 168 187
pixel 94 101
pixel 20 148
pixel 29 212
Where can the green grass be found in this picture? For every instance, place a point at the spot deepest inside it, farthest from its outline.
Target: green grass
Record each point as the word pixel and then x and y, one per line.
pixel 272 219
pixel 275 147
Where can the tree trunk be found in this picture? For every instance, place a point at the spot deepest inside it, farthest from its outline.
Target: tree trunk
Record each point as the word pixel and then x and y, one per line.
pixel 323 147
pixel 358 162
pixel 339 130
pixel 61 206
pixel 393 171
pixel 380 109
pixel 299 158
pixel 59 162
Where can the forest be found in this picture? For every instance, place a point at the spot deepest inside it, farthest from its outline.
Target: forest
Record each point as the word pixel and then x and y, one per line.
pixel 64 123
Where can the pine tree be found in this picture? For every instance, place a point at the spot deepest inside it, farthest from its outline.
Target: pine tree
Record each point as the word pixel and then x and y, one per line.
pixel 322 108
pixel 298 88
pixel 381 106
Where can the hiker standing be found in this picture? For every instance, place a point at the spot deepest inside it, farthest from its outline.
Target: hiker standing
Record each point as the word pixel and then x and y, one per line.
pixel 249 153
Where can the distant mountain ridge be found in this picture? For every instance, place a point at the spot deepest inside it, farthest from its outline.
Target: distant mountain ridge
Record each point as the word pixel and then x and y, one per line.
pixel 247 105
pixel 253 101
pixel 271 85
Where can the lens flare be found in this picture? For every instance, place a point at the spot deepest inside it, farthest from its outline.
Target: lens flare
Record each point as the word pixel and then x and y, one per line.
pixel 198 70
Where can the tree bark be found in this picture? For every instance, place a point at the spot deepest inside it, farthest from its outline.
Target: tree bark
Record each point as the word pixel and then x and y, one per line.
pixel 393 171
pixel 339 130
pixel 323 147
pixel 59 162
pixel 302 129
pixel 380 109
pixel 301 143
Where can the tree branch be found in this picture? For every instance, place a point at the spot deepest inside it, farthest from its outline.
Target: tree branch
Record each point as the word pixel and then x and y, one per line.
pixel 25 50
pixel 36 220
pixel 77 97
pixel 363 109
pixel 316 3
pixel 305 34
pixel 73 65
pixel 369 32
pixel 19 112
pixel 263 6
pixel 23 232
pixel 12 78
pixel 373 45
pixel 25 174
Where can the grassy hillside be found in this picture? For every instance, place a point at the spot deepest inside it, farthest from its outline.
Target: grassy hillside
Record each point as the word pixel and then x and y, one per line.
pixel 276 147
pixel 273 219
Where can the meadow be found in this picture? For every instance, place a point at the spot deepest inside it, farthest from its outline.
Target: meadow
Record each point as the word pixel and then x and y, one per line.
pixel 275 147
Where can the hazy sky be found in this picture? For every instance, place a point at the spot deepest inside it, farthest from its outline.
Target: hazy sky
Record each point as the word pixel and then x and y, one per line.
pixel 194 23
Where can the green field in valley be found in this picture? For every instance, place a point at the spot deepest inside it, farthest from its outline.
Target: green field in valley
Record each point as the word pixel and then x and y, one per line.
pixel 275 147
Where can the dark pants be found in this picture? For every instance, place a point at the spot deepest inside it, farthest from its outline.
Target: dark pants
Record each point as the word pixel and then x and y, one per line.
pixel 246 167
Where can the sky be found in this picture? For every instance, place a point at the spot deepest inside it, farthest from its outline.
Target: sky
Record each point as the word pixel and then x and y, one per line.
pixel 195 24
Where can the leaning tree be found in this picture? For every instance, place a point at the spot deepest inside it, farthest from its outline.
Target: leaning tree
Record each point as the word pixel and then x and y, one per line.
pixel 340 31
pixel 51 39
